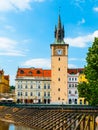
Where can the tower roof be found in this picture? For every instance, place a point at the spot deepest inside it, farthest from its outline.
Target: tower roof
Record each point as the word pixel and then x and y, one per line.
pixel 59 32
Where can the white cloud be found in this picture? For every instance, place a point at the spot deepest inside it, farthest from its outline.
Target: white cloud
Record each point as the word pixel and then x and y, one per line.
pixel 40 63
pixel 73 59
pixel 82 21
pixel 9 47
pixel 7 5
pixel 78 3
pixel 81 41
pixel 95 9
pixel 10 28
pixel 38 0
pixel 72 66
pixel 6 43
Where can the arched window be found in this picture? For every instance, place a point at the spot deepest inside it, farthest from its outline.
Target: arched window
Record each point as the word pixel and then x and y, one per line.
pixel 80 101
pixel 30 72
pixel 75 101
pixel 70 101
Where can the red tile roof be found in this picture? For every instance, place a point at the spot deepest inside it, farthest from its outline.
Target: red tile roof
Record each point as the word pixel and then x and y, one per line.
pixel 75 70
pixel 33 72
pixel 6 77
pixel 39 72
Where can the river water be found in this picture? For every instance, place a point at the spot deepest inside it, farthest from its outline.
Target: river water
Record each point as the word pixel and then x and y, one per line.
pixel 8 126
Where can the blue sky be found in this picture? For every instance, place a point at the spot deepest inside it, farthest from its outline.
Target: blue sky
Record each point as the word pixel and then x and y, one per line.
pixel 27 30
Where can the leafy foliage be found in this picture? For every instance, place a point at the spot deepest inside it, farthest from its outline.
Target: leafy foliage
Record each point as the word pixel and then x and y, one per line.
pixel 89 89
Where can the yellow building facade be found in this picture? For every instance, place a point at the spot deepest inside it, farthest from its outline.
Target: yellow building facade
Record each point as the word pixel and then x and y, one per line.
pixel 81 100
pixel 4 82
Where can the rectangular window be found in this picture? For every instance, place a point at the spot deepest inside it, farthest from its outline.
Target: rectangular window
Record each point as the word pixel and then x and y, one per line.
pixel 26 94
pixel 39 94
pixel 39 87
pixel 69 85
pixel 48 86
pixel 49 94
pixel 44 86
pixel 44 93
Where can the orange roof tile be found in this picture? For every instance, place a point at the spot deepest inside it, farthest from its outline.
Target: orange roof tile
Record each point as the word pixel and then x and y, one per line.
pixel 75 70
pixel 33 72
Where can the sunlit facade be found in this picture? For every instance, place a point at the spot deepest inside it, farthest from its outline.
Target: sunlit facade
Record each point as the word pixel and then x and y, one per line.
pixel 82 100
pixel 4 82
pixel 33 85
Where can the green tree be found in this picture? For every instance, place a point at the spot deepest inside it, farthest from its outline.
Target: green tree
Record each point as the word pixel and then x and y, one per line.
pixel 89 90
pixel 12 88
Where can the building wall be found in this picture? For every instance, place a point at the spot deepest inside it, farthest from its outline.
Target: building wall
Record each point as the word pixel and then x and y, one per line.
pixel 4 82
pixel 72 88
pixel 59 90
pixel 32 89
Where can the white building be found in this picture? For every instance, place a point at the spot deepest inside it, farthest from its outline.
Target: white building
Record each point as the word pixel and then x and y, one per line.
pixel 73 75
pixel 33 85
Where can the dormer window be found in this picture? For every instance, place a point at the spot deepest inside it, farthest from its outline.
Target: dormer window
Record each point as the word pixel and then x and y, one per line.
pixel 38 72
pixel 21 72
pixel 72 73
pixel 30 72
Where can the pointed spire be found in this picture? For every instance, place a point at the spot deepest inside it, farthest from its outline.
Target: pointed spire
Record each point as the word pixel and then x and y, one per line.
pixel 59 31
pixel 59 22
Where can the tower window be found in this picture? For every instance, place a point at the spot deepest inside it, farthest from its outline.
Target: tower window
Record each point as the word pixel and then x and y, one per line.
pixel 58 79
pixel 58 89
pixel 58 69
pixel 59 59
pixel 58 98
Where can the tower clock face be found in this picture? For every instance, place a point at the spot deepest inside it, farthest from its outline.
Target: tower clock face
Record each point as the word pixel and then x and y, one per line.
pixel 59 51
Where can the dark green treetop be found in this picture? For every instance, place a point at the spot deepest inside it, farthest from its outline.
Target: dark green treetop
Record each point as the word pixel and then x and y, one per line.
pixel 89 90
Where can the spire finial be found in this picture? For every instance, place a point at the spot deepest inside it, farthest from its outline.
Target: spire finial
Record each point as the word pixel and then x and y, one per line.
pixel 59 30
pixel 59 10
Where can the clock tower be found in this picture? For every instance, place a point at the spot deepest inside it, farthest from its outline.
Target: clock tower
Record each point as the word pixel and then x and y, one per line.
pixel 59 66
